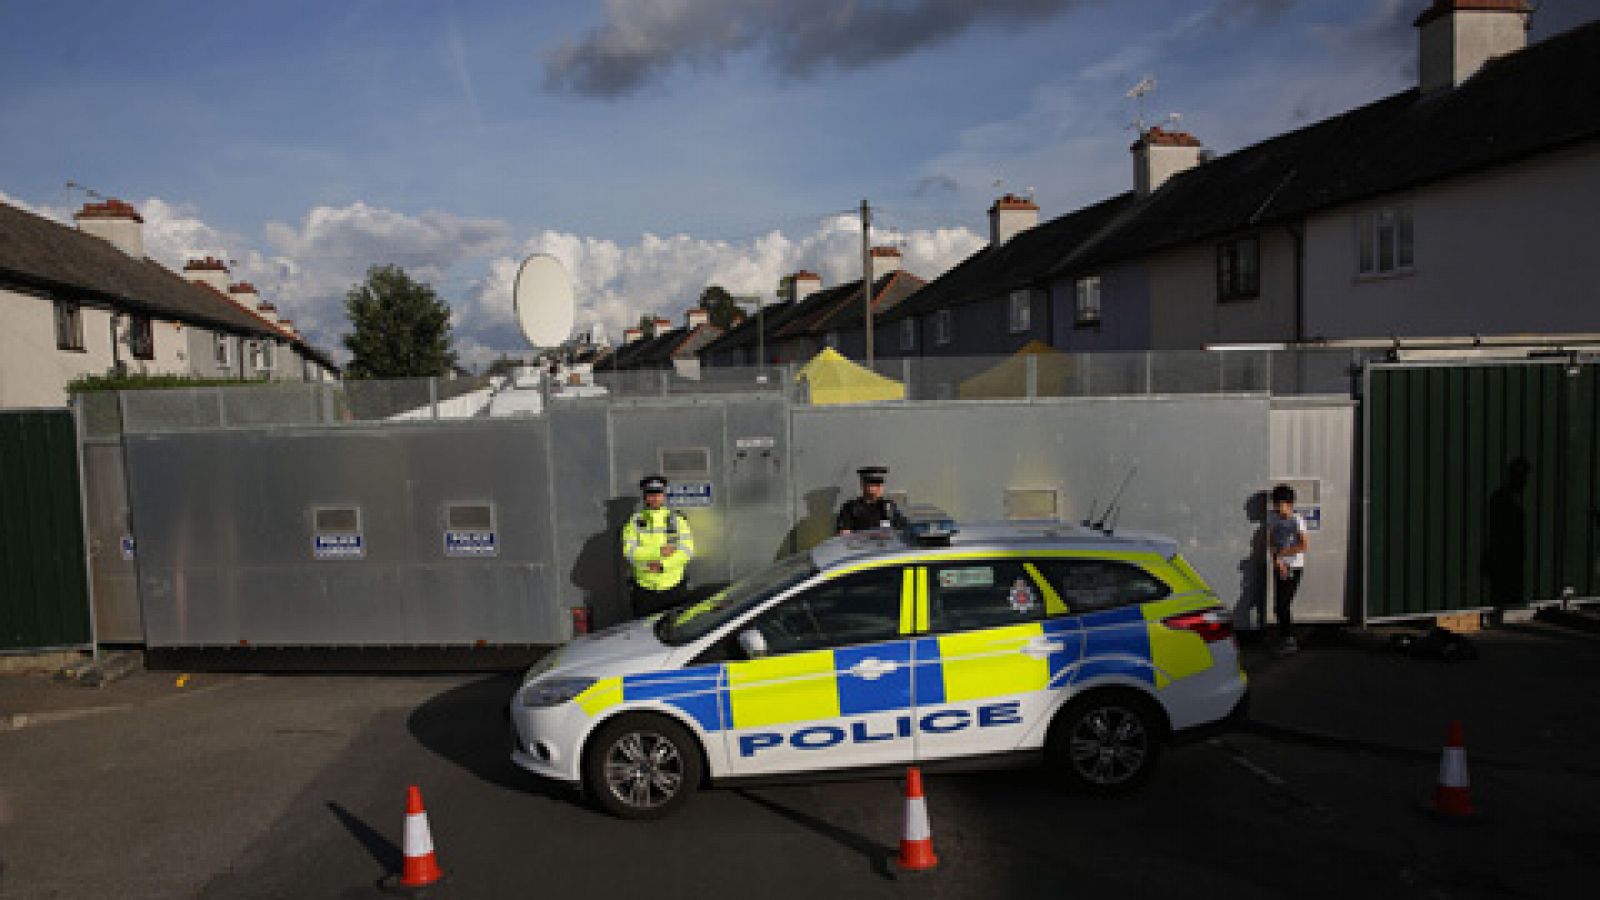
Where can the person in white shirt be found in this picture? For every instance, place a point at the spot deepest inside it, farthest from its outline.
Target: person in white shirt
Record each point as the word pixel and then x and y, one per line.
pixel 1286 539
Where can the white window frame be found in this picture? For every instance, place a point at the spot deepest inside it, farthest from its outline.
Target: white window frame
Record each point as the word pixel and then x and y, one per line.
pixel 908 334
pixel 269 349
pixel 941 327
pixel 1021 317
pixel 1086 293
pixel 1385 241
pixel 222 352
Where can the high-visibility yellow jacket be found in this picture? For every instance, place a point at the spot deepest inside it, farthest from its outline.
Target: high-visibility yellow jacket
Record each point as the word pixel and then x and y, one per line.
pixel 647 532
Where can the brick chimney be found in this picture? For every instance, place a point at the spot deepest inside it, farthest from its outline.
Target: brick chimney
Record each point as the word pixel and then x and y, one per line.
pixel 804 284
pixel 1159 154
pixel 244 294
pixel 1009 215
pixel 1456 37
pixel 267 311
pixel 212 273
pixel 696 317
pixel 288 325
pixel 884 261
pixel 115 222
pixel 629 335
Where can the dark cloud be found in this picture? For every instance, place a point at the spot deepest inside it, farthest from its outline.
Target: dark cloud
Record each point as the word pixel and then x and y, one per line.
pixel 936 184
pixel 641 39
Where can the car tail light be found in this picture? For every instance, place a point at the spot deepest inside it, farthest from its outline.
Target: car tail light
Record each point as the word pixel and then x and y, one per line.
pixel 580 620
pixel 1210 624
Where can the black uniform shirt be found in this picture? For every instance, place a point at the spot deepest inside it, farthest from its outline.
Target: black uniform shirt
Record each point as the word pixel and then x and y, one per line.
pixel 861 514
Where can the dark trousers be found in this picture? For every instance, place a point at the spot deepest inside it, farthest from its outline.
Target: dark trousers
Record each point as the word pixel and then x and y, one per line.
pixel 647 602
pixel 1283 591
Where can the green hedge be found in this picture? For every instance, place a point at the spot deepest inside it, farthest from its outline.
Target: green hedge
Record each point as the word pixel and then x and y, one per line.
pixel 88 383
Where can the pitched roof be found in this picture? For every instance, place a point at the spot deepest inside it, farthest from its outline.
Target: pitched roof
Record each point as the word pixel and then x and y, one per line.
pixel 1541 98
pixel 745 334
pixel 1027 256
pixel 840 306
pixel 888 292
pixel 37 252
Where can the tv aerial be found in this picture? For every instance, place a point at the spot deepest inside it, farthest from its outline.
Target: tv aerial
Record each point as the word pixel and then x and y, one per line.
pixel 1137 93
pixel 541 297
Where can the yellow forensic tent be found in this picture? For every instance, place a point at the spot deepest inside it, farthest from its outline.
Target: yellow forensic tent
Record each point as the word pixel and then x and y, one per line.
pixel 833 379
pixel 1010 378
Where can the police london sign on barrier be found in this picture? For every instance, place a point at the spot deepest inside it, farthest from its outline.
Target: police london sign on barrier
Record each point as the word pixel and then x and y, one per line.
pixel 689 493
pixel 1311 515
pixel 470 543
pixel 127 547
pixel 754 443
pixel 338 546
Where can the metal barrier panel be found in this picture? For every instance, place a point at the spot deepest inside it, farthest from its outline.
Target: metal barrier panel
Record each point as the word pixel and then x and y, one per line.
pixel 1482 486
pixel 352 536
pixel 1200 460
pixel 113 571
pixel 44 589
pixel 1313 450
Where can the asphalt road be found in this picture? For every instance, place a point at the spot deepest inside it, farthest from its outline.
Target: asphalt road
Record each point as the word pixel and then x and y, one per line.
pixel 286 786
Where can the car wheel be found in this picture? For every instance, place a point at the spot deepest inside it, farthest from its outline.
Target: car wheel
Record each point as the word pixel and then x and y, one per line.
pixel 1106 742
pixel 642 766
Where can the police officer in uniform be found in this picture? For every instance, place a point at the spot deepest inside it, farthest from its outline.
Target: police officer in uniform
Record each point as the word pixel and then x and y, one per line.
pixel 872 509
pixel 658 546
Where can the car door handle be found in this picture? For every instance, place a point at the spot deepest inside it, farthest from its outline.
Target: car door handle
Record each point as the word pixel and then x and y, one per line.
pixel 1039 648
pixel 873 669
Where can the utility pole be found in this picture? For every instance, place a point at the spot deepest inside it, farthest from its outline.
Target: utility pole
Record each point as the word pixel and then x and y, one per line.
pixel 866 272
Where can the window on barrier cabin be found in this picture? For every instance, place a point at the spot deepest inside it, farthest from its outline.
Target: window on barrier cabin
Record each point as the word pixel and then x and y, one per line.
pixel 982 595
pixel 855 609
pixel 1088 585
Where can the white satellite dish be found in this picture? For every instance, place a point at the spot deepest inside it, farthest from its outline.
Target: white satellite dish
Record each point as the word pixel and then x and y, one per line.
pixel 542 300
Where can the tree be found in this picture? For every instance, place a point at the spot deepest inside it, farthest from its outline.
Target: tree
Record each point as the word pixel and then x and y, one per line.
pixel 785 287
pixel 402 328
pixel 720 304
pixel 647 325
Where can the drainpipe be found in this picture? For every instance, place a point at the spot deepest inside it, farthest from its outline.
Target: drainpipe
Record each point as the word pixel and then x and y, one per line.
pixel 1297 230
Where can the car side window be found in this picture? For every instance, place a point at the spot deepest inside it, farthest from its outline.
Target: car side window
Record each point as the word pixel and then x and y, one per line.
pixel 1087 585
pixel 981 594
pixel 854 609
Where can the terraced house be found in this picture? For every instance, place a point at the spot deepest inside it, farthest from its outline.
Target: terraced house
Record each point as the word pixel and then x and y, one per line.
pixel 87 301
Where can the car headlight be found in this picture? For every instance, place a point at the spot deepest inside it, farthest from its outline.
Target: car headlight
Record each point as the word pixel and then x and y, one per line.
pixel 553 691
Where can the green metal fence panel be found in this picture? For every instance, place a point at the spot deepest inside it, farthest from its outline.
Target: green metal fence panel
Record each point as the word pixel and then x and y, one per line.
pixel 1483 486
pixel 44 587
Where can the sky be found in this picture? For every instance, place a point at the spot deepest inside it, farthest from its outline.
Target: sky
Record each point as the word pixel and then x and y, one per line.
pixel 653 146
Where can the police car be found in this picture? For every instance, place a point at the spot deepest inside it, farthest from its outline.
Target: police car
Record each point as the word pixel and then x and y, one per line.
pixel 888 648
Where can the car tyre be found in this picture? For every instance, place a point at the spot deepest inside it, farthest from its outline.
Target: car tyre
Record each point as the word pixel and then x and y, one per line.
pixel 642 766
pixel 1106 742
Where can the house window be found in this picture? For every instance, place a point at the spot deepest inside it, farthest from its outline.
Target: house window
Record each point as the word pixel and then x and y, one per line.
pixel 1383 240
pixel 141 337
pixel 69 325
pixel 1239 269
pixel 908 334
pixel 223 350
pixel 1087 309
pixel 941 327
pixel 267 348
pixel 1021 310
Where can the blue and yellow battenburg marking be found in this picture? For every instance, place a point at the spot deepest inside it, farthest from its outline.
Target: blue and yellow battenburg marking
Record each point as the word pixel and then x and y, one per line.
pixel 1128 641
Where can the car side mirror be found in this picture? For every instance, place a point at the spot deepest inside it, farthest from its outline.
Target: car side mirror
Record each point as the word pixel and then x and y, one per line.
pixel 752 643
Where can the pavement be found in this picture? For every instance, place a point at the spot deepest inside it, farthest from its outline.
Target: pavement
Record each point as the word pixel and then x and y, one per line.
pixel 171 784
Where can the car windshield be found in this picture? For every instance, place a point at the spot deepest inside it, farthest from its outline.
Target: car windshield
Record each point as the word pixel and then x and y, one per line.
pixel 690 623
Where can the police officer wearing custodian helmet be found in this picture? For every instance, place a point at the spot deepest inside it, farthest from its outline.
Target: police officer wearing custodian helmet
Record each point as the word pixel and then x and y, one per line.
pixel 658 546
pixel 872 509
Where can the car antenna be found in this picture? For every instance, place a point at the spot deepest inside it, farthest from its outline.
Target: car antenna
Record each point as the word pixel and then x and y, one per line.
pixel 1090 517
pixel 1112 509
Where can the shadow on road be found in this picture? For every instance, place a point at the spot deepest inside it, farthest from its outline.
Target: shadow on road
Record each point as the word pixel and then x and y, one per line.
pixel 382 849
pixel 877 855
pixel 467 726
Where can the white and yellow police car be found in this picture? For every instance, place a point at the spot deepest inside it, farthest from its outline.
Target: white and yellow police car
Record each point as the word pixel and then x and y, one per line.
pixel 888 648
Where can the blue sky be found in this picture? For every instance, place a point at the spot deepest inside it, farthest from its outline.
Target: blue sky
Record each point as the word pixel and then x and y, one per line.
pixel 655 145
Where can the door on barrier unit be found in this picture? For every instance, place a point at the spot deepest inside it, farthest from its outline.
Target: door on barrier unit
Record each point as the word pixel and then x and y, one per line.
pixel 758 483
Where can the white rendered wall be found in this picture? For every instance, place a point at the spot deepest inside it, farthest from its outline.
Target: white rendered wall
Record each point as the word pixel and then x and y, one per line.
pixel 1511 251
pixel 33 372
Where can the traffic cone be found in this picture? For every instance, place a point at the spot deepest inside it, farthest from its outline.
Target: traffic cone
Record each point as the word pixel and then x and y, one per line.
pixel 420 868
pixel 916 847
pixel 1453 799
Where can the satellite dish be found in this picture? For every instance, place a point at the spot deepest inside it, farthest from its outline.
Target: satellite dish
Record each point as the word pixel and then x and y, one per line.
pixel 542 300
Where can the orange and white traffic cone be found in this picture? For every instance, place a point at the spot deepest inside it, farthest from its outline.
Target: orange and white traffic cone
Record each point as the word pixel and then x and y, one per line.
pixel 916 847
pixel 1453 798
pixel 421 869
